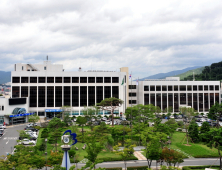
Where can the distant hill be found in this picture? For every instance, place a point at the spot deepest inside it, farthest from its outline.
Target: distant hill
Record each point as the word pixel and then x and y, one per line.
pixel 5 77
pixel 190 73
pixel 170 74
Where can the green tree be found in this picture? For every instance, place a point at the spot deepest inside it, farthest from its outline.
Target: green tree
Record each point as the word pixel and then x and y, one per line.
pixel 204 129
pixel 215 112
pixel 34 118
pixel 66 110
pixel 127 152
pixel 101 129
pixel 193 131
pixel 90 112
pixel 110 104
pixel 81 121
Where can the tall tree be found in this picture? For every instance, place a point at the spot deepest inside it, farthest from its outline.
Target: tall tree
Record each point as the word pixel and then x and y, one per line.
pixel 90 112
pixel 110 104
pixel 81 121
pixel 66 110
pixel 193 131
pixel 34 118
pixel 215 112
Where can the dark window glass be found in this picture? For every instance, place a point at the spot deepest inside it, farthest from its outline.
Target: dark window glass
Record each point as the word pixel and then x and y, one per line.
pixel 99 79
pixel 183 98
pixel 164 88
pixel 107 90
pixel 67 80
pixel 41 113
pixel 107 79
pixel 189 88
pixel 170 88
pixel 132 86
pixel 217 97
pixel 66 95
pixel 99 94
pixel 164 101
pixel 115 91
pixel 205 87
pixel 175 88
pixel 206 102
pixel 58 79
pixel 15 79
pixel 189 97
pixel 195 101
pixel 83 79
pixel 211 99
pixel 91 95
pixel 50 79
pixel 133 102
pixel 41 97
pixel 158 88
pixel 91 79
pixel 146 88
pixel 75 96
pixel 170 99
pixel 2 108
pixel 176 103
pixel 24 91
pixel 33 79
pixel 83 94
pixel 194 88
pixel 58 96
pixel 33 96
pixel 24 80
pixel 75 80
pixel 200 88
pixel 152 88
pixel 115 79
pixel 41 79
pixel 200 102
pixel 211 87
pixel 132 94
pixel 182 88
pixel 15 91
pixel 146 99
pixel 152 99
pixel 216 87
pixel 50 96
pixel 158 100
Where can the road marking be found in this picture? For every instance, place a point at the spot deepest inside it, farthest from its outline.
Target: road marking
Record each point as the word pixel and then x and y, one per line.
pixel 10 138
pixel 7 142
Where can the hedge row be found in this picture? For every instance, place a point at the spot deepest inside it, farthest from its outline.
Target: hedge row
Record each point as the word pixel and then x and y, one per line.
pixel 138 168
pixel 107 159
pixel 119 168
pixel 199 167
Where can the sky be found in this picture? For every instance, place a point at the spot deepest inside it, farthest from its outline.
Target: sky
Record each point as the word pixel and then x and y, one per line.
pixel 147 36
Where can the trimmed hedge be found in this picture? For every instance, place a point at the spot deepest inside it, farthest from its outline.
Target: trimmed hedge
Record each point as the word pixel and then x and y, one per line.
pixel 199 167
pixel 119 168
pixel 137 168
pixel 107 159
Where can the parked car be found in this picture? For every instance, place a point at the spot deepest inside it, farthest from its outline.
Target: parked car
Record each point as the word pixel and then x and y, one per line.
pixel 1 132
pixel 199 124
pixel 107 122
pixel 2 126
pixel 114 122
pixel 104 119
pixel 28 142
pixel 31 128
pixel 122 118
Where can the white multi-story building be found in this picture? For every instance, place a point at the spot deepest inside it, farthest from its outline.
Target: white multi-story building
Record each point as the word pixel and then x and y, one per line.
pixel 48 87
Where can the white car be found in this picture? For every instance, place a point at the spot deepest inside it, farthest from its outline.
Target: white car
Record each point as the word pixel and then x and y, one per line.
pixel 199 124
pixel 107 122
pixel 171 116
pixel 33 134
pixel 114 123
pixel 31 125
pixel 2 126
pixel 28 142
pixel 104 119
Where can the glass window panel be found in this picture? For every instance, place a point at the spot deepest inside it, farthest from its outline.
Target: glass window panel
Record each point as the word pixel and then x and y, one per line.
pixel 66 95
pixel 99 79
pixel 170 88
pixel 75 80
pixel 158 88
pixel 15 91
pixel 152 88
pixel 33 96
pixel 206 102
pixel 146 99
pixel 194 88
pixel 107 90
pixel 152 99
pixel 175 88
pixel 200 87
pixel 50 96
pixel 67 80
pixel 189 88
pixel 158 99
pixel 170 99
pixel 115 79
pixel 107 79
pixel 83 95
pixel 41 79
pixel 115 91
pixel 24 91
pixel 206 87
pixel 15 79
pixel 182 98
pixel 41 96
pixel 83 79
pixel 99 94
pixel 91 95
pixel 211 87
pixel 24 80
pixel 58 79
pixel 164 88
pixel 195 101
pixel 132 86
pixel 132 94
pixel 182 88
pixel 189 99
pixel 164 101
pixel 58 96
pixel 200 102
pixel 216 87
pixel 91 79
pixel 33 79
pixel 50 79
pixel 146 88
pixel 75 96
pixel 176 103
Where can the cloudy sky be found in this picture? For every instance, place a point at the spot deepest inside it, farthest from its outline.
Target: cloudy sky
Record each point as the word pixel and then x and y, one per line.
pixel 148 36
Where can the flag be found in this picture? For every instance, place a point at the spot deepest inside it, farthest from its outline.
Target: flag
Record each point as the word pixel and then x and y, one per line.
pixel 122 82
pixel 130 76
pixel 137 82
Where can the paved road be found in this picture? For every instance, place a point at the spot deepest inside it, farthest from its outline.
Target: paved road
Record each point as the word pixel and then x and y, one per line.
pixel 8 140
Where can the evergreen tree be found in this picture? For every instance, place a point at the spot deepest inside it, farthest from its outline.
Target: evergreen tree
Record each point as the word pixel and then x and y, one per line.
pixel 193 131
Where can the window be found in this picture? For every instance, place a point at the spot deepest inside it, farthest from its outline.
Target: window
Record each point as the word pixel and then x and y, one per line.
pixel 58 96
pixel 75 96
pixel 50 96
pixel 75 80
pixel 41 79
pixel 15 91
pixel 132 94
pixel 132 101
pixel 206 87
pixel 33 79
pixel 152 88
pixel 22 67
pixel 194 88
pixel 2 108
pixel 99 94
pixel 175 88
pixel 132 86
pixel 164 88
pixel 58 79
pixel 41 96
pixel 24 91
pixel 158 88
pixel 83 95
pixel 107 79
pixel 66 95
pixel 91 79
pixel 170 88
pixel 91 95
pixel 45 68
pixel 33 96
pixel 83 79
pixel 146 99
pixel 24 79
pixel 15 79
pixel 189 88
pixel 182 88
pixel 99 79
pixel 115 91
pixel 216 87
pixel 67 80
pixel 115 79
pixel 182 98
pixel 200 88
pixel 107 90
pixel 50 79
pixel 41 113
pixel 146 88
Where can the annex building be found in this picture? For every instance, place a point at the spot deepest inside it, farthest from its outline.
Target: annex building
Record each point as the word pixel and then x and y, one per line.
pixel 48 87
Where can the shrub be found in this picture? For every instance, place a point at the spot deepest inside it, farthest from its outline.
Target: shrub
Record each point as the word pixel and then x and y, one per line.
pixel 107 159
pixel 137 167
pixel 37 127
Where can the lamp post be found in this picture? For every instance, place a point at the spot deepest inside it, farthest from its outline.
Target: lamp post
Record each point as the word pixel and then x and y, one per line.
pixel 46 154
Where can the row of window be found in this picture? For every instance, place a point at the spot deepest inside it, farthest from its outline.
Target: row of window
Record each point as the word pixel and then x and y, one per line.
pixel 50 96
pixel 65 79
pixel 181 88
pixel 1 108
pixel 196 100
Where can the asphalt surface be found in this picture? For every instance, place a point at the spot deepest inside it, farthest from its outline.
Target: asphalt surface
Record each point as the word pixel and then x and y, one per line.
pixel 8 140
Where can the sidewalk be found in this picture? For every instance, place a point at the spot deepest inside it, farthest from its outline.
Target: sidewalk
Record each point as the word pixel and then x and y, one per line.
pixel 139 155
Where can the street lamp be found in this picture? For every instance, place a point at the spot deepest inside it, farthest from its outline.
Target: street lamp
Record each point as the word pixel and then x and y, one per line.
pixel 46 154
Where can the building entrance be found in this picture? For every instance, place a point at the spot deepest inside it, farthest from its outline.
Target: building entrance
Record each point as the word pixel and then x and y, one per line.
pixel 17 120
pixel 50 115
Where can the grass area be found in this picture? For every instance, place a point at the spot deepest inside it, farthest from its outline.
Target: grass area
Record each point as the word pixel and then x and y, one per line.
pixel 197 150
